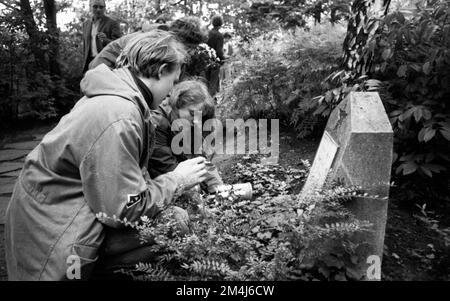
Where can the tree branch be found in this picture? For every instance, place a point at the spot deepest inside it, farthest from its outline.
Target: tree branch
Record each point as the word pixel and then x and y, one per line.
pixel 9 4
pixel 172 4
pixel 387 3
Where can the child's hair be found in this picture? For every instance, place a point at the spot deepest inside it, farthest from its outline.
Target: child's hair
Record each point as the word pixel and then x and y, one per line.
pixel 189 30
pixel 190 92
pixel 147 52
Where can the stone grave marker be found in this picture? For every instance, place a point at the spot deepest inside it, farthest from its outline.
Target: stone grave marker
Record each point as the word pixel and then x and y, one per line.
pixel 356 148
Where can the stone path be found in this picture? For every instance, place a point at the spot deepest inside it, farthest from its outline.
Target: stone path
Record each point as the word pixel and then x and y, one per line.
pixel 13 151
pixel 12 156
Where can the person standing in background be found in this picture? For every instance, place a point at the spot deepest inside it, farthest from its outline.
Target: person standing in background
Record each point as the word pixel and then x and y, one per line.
pixel 215 41
pixel 98 32
pixel 225 70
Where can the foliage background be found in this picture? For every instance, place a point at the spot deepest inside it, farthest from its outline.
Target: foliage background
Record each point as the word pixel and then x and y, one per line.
pixel 274 236
pixel 300 75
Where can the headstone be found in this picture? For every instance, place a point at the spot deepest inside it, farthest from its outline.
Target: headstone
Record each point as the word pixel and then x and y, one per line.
pixel 363 135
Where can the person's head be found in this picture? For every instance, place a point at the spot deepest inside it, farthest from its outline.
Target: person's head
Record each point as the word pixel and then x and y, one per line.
pixel 156 58
pixel 189 30
pixel 190 96
pixel 217 21
pixel 98 8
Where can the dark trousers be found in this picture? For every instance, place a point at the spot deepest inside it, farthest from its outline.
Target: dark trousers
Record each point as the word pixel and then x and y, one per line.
pixel 213 78
pixel 86 64
pixel 122 248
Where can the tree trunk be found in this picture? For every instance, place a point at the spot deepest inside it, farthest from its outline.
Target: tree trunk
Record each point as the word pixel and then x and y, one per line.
pixel 36 39
pixel 362 25
pixel 53 35
pixel 186 7
pixel 200 8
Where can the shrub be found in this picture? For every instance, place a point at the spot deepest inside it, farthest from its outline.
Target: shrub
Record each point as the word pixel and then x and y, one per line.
pixel 410 68
pixel 27 89
pixel 275 236
pixel 283 68
pixel 413 61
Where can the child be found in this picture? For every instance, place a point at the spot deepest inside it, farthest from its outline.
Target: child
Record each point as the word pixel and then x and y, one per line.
pixel 185 98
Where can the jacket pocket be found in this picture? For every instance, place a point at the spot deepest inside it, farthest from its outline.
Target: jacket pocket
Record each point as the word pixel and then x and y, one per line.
pixel 87 256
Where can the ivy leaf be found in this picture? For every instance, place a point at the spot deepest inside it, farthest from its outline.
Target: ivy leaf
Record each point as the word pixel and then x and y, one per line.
pixel 421 134
pixel 401 72
pixel 409 167
pixel 426 114
pixel 394 157
pixel 426 171
pixel 434 168
pixel 445 133
pixel 386 54
pixel 426 68
pixel 429 134
pixel 418 114
pixel 406 115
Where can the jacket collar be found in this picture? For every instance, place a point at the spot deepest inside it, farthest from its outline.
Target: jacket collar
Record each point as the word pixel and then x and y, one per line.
pixel 145 91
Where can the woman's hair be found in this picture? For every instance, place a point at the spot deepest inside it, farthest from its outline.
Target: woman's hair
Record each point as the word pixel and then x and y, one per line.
pixel 189 30
pixel 147 52
pixel 192 92
pixel 217 21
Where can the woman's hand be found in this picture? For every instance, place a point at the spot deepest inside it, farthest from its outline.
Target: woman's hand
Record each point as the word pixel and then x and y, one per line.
pixel 193 171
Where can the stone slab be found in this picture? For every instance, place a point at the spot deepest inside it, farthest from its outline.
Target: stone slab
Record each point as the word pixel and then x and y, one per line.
pixel 362 129
pixel 6 167
pixel 373 210
pixel 321 165
pixel 12 154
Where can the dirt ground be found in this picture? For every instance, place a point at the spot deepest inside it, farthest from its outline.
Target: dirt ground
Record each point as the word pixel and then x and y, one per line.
pixel 413 251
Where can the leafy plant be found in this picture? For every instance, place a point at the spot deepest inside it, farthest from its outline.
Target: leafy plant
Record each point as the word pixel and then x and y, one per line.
pixel 201 58
pixel 275 236
pixel 281 69
pixel 414 62
pixel 407 60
